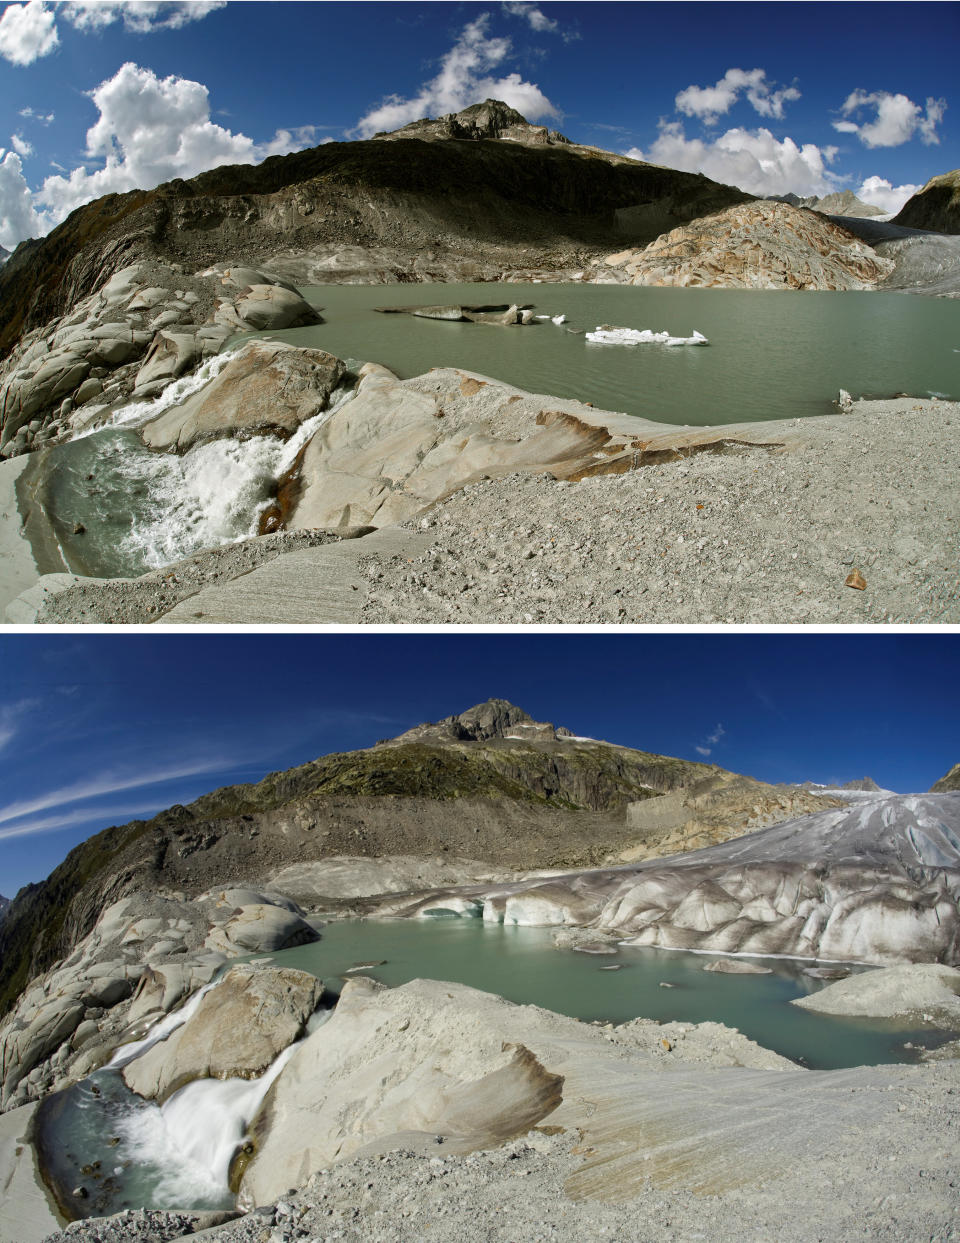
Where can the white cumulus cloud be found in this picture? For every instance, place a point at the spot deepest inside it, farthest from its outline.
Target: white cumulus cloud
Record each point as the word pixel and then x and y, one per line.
pixel 152 130
pixel 895 118
pixel 465 78
pixel 710 102
pixel 20 145
pixel 27 32
pixel 138 16
pixel 753 160
pixel 881 193
pixel 18 217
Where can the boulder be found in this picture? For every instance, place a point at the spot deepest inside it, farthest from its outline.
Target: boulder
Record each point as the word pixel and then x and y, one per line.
pixel 263 389
pixel 269 308
pixel 260 929
pixel 236 1031
pixel 428 1058
pixel 171 355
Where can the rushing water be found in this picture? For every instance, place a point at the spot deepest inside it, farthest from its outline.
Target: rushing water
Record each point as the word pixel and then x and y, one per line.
pixel 130 1153
pixel 770 355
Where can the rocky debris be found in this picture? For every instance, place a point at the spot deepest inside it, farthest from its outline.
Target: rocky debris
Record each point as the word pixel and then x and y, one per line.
pixel 341 879
pixel 238 1029
pixel 705 539
pixel 760 245
pixel 949 781
pixel 264 388
pixel 927 992
pixel 495 718
pixel 936 206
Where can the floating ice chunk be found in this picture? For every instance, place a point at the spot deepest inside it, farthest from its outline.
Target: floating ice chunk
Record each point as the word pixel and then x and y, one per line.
pixel 558 319
pixel 605 335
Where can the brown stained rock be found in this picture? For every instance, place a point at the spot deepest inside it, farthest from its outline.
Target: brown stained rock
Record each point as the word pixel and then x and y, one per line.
pixel 856 580
pixel 265 388
pixel 469 386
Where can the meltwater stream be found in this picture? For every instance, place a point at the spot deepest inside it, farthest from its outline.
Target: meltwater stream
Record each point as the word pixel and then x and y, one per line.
pixel 141 510
pixel 129 1153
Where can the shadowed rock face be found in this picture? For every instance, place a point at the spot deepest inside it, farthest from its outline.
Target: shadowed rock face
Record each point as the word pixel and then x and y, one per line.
pixel 936 206
pixel 878 882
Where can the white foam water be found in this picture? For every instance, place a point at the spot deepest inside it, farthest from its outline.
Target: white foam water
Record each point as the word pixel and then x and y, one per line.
pixel 160 1030
pixel 210 496
pixel 136 413
pixel 194 1135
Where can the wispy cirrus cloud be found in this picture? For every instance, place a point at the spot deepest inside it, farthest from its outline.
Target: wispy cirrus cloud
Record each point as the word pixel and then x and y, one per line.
pixel 706 747
pixel 86 815
pixel 10 717
pixel 113 783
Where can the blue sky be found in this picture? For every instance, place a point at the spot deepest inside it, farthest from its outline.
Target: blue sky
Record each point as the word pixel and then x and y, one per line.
pixel 107 95
pixel 97 729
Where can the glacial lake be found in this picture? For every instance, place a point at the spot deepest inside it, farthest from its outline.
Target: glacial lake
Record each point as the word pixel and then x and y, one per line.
pixel 771 355
pixel 178 1156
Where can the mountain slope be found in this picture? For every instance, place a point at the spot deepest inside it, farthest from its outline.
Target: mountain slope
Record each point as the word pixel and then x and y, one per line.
pixel 513 203
pixel 949 781
pixel 465 788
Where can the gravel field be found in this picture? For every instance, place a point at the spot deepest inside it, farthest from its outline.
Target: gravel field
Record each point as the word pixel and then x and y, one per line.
pixel 757 535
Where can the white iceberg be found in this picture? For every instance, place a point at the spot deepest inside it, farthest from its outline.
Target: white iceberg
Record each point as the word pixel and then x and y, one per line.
pixel 605 335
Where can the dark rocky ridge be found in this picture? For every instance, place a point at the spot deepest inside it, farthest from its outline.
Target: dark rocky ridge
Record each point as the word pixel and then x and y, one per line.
pixel 546 802
pixel 936 206
pixel 507 202
pixel 4 903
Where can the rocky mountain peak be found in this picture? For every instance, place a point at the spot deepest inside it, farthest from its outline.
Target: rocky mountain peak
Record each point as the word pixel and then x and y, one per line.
pixel 495 718
pixel 491 119
pixel 862 783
